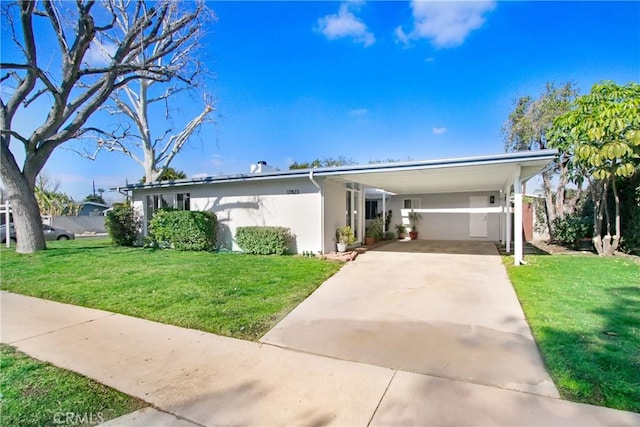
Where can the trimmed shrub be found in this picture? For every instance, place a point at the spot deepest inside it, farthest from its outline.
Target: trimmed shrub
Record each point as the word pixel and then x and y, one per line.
pixel 122 224
pixel 571 228
pixel 264 240
pixel 184 230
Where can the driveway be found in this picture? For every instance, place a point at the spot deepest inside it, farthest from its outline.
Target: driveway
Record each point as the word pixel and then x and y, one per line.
pixel 445 309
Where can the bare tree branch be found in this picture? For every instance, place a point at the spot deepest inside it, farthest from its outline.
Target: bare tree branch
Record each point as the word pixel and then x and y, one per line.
pixel 143 42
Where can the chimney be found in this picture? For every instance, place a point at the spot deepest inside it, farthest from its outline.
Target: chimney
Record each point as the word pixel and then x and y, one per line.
pixel 261 167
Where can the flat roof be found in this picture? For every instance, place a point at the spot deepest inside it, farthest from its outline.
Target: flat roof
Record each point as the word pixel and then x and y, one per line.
pixel 476 173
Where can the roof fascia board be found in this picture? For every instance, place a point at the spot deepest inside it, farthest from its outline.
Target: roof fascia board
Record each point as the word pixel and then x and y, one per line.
pixel 518 157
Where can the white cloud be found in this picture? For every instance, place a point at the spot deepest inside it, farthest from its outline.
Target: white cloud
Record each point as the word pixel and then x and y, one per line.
pixel 200 175
pixel 216 160
pixel 358 112
pixel 445 23
pixel 438 131
pixel 100 54
pixel 345 24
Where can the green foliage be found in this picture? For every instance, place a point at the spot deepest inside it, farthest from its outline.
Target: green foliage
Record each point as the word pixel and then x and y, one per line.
pixel 530 121
pixel 122 224
pixel 400 228
pixel 345 235
pixel 169 174
pixel 630 213
pixel 375 228
pixel 35 393
pixel 324 163
pixel 414 219
pixel 52 201
pixel 262 240
pixel 388 235
pixel 602 132
pixel 96 198
pixel 184 230
pixel 571 228
pixel 600 137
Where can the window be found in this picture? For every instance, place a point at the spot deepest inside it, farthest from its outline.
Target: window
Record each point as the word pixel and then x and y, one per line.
pixel 411 204
pixel 370 209
pixel 183 202
pixel 180 201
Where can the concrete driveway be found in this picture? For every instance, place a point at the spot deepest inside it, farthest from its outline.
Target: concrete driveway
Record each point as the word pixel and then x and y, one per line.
pixel 445 309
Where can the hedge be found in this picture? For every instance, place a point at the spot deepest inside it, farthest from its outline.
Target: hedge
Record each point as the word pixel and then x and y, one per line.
pixel 122 223
pixel 184 230
pixel 260 240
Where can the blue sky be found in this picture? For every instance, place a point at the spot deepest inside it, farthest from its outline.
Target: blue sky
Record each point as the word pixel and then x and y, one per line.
pixel 378 80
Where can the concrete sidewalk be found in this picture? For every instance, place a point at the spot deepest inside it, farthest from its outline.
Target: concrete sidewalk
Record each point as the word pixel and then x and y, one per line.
pixel 204 379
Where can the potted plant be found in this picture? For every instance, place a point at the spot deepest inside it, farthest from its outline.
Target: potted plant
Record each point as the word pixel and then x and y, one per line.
pixel 374 232
pixel 402 231
pixel 414 219
pixel 344 238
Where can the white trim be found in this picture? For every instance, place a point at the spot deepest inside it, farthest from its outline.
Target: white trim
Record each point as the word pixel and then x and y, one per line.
pixel 517 219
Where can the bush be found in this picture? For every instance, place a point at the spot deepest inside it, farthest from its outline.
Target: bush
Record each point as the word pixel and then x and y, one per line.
pixel 264 240
pixel 375 229
pixel 184 230
pixel 389 235
pixel 122 224
pixel 571 228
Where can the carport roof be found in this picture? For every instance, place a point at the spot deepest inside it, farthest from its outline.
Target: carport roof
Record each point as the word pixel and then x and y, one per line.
pixel 478 173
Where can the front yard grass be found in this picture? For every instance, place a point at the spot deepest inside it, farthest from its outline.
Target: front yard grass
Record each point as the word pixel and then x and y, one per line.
pixel 584 312
pixel 231 294
pixel 35 393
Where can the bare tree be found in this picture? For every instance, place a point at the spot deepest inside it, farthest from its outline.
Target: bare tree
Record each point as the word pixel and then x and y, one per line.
pixel 72 80
pixel 154 143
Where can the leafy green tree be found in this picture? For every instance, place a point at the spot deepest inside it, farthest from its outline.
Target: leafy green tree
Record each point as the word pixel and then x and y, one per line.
pixel 526 129
pixel 324 163
pixel 52 201
pixel 601 138
pixel 169 174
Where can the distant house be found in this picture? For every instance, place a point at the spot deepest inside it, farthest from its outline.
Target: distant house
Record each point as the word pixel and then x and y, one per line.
pixel 92 209
pixel 468 198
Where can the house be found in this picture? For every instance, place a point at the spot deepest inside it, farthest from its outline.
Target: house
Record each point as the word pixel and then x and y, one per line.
pixel 464 198
pixel 92 208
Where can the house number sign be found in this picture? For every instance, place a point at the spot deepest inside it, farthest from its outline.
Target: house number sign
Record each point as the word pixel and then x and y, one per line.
pixel 294 191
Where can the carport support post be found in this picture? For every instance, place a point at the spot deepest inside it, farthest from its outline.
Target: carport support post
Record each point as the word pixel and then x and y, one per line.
pixel 517 219
pixel 384 212
pixel 507 222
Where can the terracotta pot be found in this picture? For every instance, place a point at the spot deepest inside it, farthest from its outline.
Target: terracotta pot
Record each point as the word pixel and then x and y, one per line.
pixel 413 235
pixel 369 241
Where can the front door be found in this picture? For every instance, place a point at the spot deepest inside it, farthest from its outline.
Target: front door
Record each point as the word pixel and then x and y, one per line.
pixel 478 220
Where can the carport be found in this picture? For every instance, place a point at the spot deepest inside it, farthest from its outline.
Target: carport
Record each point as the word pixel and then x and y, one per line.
pixel 505 174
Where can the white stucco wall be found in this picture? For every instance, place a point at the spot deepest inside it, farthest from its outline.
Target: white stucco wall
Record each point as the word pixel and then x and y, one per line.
pixel 335 207
pixel 292 203
pixel 447 226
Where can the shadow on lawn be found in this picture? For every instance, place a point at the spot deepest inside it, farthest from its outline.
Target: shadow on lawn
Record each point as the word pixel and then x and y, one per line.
pixel 600 364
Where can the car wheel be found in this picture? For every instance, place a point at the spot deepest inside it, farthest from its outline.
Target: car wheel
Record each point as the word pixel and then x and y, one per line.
pixel 63 238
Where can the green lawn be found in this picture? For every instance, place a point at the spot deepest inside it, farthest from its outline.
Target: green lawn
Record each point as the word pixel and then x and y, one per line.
pixel 35 393
pixel 225 293
pixel 585 315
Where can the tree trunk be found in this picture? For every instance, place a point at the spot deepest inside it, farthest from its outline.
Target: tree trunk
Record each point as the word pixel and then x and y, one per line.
pixel 596 196
pixel 615 239
pixel 548 201
pixel 26 214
